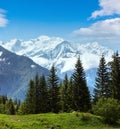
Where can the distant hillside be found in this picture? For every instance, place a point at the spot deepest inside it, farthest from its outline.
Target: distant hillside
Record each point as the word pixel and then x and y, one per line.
pixel 15 73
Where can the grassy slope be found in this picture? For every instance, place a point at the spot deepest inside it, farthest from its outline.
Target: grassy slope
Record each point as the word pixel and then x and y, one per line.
pixel 53 121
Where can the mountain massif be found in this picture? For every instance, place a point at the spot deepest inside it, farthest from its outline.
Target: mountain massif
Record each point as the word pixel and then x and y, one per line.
pixel 46 51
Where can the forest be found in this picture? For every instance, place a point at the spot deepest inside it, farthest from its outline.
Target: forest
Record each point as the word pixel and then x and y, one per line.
pixel 52 95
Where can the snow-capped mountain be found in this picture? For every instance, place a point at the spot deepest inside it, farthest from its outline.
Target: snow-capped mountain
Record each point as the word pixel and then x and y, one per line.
pixel 46 51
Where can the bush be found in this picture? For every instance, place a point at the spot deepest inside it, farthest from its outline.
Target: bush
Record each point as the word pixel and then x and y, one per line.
pixel 108 108
pixel 85 117
pixel 22 110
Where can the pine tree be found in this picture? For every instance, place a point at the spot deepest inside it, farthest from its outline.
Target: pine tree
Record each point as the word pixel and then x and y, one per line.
pixel 81 95
pixel 9 107
pixel 70 96
pixel 53 91
pixel 42 99
pixel 65 105
pixel 3 100
pixel 30 102
pixel 36 92
pixel 115 76
pixel 102 84
pixel 16 105
pixel 61 96
pixel 36 98
pixel 23 108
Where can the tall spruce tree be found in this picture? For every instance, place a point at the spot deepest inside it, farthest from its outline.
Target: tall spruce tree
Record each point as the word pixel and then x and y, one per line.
pixel 11 107
pixel 81 95
pixel 102 81
pixel 42 96
pixel 54 99
pixel 36 86
pixel 30 103
pixel 115 76
pixel 65 105
pixel 70 96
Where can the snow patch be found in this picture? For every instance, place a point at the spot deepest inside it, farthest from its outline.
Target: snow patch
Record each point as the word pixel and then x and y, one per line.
pixel 2 59
pixel 8 63
pixel 32 66
pixel 69 64
pixel 1 53
pixel 90 60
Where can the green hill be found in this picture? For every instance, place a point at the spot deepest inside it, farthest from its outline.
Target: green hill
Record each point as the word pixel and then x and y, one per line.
pixel 54 121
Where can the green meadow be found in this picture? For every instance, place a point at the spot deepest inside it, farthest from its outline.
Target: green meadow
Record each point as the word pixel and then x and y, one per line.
pixel 54 121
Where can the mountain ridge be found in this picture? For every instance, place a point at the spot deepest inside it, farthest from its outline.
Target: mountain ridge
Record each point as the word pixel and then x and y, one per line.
pixel 47 51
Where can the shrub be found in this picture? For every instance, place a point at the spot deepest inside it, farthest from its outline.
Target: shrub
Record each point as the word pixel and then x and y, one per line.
pixel 22 110
pixel 108 108
pixel 85 117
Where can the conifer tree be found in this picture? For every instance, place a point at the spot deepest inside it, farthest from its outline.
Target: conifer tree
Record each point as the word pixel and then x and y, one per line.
pixel 30 102
pixel 102 83
pixel 54 99
pixel 4 99
pixel 61 96
pixel 70 96
pixel 115 76
pixel 36 92
pixel 81 95
pixel 9 107
pixel 65 105
pixel 42 99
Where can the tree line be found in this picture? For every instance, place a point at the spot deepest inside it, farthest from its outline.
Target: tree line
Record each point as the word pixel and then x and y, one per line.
pixel 8 106
pixel 107 83
pixel 72 94
pixel 56 96
pixel 106 101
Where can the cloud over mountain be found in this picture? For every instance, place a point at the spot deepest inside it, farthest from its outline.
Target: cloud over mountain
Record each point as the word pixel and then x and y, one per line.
pixel 105 28
pixel 105 31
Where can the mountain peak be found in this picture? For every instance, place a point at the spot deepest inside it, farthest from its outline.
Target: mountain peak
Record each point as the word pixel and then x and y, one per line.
pixel 1 43
pixel 95 44
pixel 63 48
pixel 46 51
pixel 14 44
pixel 43 38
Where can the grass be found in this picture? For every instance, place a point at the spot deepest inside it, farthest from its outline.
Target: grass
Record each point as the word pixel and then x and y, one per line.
pixel 54 121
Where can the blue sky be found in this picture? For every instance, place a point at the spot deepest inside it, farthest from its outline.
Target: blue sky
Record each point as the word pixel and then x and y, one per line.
pixel 77 20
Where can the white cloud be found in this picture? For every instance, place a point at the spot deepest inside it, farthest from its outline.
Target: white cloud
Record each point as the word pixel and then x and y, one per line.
pixel 103 31
pixel 105 28
pixel 106 32
pixel 3 20
pixel 108 8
